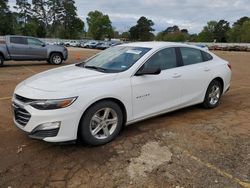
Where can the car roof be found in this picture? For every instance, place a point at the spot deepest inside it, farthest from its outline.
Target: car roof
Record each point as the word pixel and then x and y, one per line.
pixel 158 45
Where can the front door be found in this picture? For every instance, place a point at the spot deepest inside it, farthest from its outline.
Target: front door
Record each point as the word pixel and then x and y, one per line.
pixel 37 49
pixel 153 94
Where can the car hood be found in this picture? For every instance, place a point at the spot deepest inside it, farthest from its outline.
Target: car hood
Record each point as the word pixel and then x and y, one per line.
pixel 67 78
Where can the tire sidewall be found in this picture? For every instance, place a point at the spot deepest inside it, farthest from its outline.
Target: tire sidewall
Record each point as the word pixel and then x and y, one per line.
pixel 53 55
pixel 1 61
pixel 84 129
pixel 206 102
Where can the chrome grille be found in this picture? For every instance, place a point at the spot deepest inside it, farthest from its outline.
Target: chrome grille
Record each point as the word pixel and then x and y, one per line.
pixel 21 115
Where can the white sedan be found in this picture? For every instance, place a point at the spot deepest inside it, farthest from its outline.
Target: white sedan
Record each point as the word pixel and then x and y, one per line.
pixel 125 84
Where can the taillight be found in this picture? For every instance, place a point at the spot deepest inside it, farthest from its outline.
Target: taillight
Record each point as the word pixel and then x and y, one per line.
pixel 229 66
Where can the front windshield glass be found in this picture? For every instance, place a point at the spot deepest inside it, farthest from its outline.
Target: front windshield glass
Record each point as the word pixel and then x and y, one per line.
pixel 116 59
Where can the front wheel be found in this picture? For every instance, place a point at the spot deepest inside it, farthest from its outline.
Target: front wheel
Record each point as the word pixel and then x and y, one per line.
pixel 213 94
pixel 101 123
pixel 56 59
pixel 1 61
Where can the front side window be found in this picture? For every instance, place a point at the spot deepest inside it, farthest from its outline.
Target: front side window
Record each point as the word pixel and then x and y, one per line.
pixel 35 42
pixel 18 40
pixel 164 59
pixel 191 56
pixel 116 59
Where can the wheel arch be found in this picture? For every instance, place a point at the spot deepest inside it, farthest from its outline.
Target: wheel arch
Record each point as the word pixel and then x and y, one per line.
pixel 220 80
pixel 117 101
pixel 2 55
pixel 55 52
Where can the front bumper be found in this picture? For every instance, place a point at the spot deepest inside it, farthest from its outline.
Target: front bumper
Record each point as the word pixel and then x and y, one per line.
pixel 65 54
pixel 68 117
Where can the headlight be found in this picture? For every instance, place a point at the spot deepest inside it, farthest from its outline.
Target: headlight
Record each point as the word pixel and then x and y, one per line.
pixel 52 104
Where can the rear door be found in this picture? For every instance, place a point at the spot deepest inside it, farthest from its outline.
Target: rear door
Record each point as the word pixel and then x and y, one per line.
pixel 152 94
pixel 18 48
pixel 195 74
pixel 37 49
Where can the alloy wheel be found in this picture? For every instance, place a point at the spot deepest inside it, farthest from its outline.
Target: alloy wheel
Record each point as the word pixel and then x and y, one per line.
pixel 103 123
pixel 214 95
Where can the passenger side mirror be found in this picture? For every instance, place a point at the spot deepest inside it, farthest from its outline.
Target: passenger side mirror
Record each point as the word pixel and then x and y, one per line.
pixel 148 71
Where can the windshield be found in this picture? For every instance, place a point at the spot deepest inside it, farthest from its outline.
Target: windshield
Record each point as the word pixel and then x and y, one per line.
pixel 116 59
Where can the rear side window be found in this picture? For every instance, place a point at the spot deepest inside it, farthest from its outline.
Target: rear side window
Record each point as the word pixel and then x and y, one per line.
pixel 206 56
pixel 164 59
pixel 191 56
pixel 18 40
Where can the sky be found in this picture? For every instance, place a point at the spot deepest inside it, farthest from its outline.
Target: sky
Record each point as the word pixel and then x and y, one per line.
pixel 188 14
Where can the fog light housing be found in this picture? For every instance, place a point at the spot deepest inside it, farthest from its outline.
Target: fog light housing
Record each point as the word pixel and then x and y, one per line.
pixel 45 130
pixel 48 126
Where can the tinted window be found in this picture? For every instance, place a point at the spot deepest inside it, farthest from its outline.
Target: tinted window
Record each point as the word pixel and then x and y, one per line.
pixel 164 59
pixel 191 56
pixel 206 56
pixel 35 42
pixel 18 40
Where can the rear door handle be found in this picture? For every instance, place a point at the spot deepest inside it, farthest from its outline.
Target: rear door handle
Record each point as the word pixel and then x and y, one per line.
pixel 176 75
pixel 206 69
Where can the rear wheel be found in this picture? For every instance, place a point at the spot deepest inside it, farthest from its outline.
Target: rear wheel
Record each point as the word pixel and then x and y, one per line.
pixel 213 94
pixel 56 58
pixel 101 123
pixel 1 60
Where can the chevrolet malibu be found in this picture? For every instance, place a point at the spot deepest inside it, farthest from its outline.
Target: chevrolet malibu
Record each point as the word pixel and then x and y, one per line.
pixel 125 84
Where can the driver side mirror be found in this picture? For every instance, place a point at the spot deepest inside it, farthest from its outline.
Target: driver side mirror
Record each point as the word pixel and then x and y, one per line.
pixel 43 45
pixel 148 71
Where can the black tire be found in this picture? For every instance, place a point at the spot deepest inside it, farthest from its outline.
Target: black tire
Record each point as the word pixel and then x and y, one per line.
pixel 56 58
pixel 1 60
pixel 208 102
pixel 85 127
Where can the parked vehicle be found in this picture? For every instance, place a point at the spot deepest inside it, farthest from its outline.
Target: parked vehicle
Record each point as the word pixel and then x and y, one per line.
pixel 72 43
pixel 103 45
pixel 21 48
pixel 90 44
pixel 124 84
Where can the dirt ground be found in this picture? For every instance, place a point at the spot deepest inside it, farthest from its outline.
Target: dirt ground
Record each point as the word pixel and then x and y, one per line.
pixel 192 147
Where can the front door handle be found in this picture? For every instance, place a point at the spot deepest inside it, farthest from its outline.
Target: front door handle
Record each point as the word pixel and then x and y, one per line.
pixel 176 75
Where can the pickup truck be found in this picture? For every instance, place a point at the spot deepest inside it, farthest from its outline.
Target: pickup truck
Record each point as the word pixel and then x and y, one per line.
pixel 22 48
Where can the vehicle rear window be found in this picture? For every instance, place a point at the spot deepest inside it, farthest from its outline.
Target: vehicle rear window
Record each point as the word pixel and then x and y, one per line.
pixel 18 40
pixel 206 56
pixel 191 56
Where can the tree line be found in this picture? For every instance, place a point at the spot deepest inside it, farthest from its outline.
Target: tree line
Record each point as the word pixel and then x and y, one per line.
pixel 59 19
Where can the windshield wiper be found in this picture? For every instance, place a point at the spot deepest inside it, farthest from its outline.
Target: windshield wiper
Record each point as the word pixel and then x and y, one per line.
pixel 95 68
pixel 80 64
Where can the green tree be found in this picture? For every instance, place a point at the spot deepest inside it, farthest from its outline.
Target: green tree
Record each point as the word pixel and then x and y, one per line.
pixel 125 36
pixel 6 17
pixel 142 31
pixel 73 26
pixel 237 33
pixel 221 30
pixel 40 11
pixel 245 32
pixel 100 25
pixel 24 11
pixel 241 21
pixel 173 34
pixel 55 13
pixel 207 34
